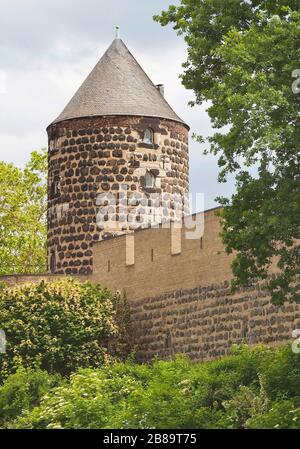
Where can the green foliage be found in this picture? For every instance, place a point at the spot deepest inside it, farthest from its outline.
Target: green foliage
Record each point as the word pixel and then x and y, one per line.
pixel 23 391
pixel 246 389
pixel 282 415
pixel 245 404
pixel 58 326
pixel 23 216
pixel 241 55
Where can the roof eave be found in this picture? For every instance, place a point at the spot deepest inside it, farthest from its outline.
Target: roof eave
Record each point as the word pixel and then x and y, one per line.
pixel 58 120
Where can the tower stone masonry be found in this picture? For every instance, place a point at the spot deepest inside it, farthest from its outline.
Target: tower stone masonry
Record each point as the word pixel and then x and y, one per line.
pixel 117 137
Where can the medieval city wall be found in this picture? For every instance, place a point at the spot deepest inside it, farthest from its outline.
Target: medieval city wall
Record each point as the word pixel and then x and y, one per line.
pixel 178 293
pixel 159 265
pixel 205 321
pixel 180 298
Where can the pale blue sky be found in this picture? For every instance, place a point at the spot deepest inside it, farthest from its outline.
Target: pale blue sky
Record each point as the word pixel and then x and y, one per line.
pixel 47 48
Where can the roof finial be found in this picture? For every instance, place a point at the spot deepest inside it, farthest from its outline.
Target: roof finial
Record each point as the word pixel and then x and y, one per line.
pixel 117 32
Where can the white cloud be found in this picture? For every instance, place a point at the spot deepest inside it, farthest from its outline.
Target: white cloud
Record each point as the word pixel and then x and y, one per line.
pixel 17 148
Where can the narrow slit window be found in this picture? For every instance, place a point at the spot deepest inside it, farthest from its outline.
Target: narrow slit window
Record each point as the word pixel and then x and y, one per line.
pixel 108 266
pixel 55 185
pixel 52 262
pixel 152 255
pixel 168 340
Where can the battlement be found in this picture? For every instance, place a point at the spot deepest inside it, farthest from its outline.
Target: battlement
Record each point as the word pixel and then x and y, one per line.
pixel 158 260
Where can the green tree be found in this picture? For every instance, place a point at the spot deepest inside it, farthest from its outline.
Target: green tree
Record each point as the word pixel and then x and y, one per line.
pixel 241 55
pixel 23 209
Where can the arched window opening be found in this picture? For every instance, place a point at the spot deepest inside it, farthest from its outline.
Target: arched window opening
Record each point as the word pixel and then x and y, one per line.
pixel 149 180
pixel 149 136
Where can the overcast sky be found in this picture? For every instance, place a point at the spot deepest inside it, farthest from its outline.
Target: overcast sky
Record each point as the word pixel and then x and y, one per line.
pixel 48 47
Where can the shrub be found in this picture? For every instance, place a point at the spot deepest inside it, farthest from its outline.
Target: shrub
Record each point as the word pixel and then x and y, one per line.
pixel 282 415
pixel 245 404
pixel 22 391
pixel 122 395
pixel 57 326
pixel 166 394
pixel 251 388
pixel 282 373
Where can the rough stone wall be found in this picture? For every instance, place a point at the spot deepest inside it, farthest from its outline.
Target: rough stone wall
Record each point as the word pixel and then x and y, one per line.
pixel 97 155
pixel 181 302
pixel 204 322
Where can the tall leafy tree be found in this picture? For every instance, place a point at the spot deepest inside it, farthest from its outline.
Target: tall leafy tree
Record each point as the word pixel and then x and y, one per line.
pixel 23 209
pixel 241 55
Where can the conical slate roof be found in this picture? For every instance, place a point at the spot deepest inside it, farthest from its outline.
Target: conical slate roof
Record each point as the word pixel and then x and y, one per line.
pixel 118 86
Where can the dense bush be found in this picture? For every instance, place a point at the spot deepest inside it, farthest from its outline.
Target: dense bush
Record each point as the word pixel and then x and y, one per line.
pixel 251 388
pixel 57 326
pixel 22 391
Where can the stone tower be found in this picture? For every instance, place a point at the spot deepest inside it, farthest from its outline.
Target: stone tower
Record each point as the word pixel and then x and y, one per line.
pixel 118 137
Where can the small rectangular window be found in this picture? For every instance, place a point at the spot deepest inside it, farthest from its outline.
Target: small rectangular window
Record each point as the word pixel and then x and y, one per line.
pixel 108 266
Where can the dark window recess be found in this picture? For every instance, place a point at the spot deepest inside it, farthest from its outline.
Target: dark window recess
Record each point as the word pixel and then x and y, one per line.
pixel 152 255
pixel 55 186
pixel 108 266
pixel 201 243
pixel 168 340
pixel 52 262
